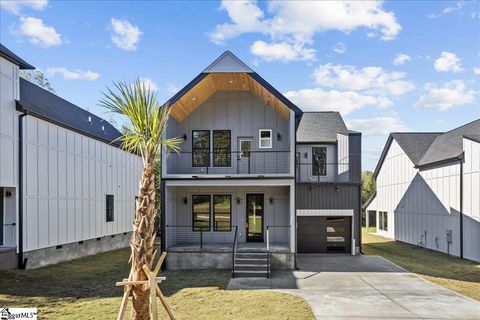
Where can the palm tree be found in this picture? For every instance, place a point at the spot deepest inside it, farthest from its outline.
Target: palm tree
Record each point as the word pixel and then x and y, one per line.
pixel 143 134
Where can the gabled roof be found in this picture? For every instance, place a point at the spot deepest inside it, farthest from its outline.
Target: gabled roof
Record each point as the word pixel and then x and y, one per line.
pixel 49 107
pixel 227 73
pixel 320 127
pixel 449 146
pixel 227 62
pixel 13 58
pixel 414 144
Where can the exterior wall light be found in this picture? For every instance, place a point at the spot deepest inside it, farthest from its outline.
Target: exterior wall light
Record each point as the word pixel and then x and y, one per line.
pixel 271 200
pixel 279 136
pixel 185 200
pixel 185 136
pixel 238 200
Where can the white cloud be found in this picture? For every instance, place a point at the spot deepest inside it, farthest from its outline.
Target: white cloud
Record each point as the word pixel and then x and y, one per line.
pixel 340 47
pixel 37 32
pixel 401 58
pixel 281 51
pixel 172 88
pixel 376 126
pixel 449 95
pixel 448 61
pixel 148 83
pixel 371 80
pixel 332 100
pixel 72 75
pixel 476 70
pixel 15 7
pixel 458 5
pixel 296 23
pixel 125 35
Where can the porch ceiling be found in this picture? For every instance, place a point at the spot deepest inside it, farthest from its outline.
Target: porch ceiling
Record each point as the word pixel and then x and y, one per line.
pixel 214 82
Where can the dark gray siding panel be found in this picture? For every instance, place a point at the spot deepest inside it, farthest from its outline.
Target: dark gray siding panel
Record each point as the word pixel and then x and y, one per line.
pixel 326 196
pixel 355 157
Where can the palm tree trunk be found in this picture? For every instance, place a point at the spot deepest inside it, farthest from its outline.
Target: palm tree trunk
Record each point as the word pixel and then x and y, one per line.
pixel 143 238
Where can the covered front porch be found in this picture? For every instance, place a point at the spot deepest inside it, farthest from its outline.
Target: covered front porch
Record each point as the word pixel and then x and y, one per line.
pixel 206 224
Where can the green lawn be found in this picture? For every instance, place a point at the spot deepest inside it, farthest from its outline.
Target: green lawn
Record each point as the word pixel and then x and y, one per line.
pixel 456 274
pixel 85 289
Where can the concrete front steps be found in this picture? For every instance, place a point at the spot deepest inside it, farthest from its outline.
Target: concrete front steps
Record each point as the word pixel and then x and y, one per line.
pixel 251 264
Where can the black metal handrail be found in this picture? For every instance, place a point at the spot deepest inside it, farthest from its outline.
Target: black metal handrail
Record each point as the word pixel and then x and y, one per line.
pixel 224 161
pixel 196 236
pixel 313 172
pixel 234 250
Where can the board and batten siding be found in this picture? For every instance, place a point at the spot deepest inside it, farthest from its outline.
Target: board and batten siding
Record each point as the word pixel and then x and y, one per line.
pixel 471 199
pixel 243 114
pixel 8 123
pixel 394 178
pixel 67 176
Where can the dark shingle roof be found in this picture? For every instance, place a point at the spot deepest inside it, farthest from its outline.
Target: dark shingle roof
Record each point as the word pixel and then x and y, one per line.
pixel 45 105
pixel 13 58
pixel 449 145
pixel 316 127
pixel 415 144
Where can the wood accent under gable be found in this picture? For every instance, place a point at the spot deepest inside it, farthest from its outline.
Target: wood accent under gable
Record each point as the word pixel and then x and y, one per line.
pixel 225 82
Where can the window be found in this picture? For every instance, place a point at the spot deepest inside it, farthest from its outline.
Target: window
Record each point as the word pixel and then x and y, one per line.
pixel 201 212
pixel 200 148
pixel 222 212
pixel 265 139
pixel 245 148
pixel 383 220
pixel 222 148
pixel 109 208
pixel 319 161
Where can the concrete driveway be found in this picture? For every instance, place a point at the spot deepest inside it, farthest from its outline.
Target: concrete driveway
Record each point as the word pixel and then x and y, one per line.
pixel 364 287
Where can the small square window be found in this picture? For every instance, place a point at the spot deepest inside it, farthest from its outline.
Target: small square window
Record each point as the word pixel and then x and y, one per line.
pixel 109 208
pixel 265 139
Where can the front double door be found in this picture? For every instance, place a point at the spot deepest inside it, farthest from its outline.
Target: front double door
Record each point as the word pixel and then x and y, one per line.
pixel 254 218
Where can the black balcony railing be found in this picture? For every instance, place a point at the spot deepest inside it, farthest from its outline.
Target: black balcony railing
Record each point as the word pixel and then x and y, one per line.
pixel 322 172
pixel 198 237
pixel 229 162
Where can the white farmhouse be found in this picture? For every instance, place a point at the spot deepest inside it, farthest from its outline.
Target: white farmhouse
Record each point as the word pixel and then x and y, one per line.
pixel 428 190
pixel 65 189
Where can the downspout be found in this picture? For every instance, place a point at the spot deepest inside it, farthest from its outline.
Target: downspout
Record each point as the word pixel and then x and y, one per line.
pixel 461 209
pixel 22 263
pixel 162 221
pixel 360 219
pixel 295 195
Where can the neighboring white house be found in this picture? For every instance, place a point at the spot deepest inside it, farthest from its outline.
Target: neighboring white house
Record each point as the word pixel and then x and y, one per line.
pixel 65 189
pixel 428 190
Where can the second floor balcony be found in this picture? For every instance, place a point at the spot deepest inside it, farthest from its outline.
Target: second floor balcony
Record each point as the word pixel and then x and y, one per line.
pixel 229 163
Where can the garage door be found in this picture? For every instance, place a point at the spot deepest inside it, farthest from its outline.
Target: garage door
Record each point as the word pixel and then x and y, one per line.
pixel 324 234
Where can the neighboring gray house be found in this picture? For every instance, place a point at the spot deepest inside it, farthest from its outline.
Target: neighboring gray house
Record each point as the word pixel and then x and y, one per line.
pixel 256 180
pixel 428 190
pixel 65 189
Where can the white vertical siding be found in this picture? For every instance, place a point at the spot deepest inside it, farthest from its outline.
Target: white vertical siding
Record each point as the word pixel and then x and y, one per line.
pixel 8 123
pixel 67 178
pixel 471 199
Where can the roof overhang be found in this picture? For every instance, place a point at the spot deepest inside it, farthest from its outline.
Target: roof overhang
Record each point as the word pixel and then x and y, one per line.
pixel 228 73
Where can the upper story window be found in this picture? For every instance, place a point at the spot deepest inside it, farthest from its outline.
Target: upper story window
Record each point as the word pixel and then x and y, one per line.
pixel 222 148
pixel 319 161
pixel 109 208
pixel 265 139
pixel 200 148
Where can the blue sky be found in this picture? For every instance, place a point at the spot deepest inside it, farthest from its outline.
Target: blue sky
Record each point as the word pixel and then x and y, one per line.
pixel 386 66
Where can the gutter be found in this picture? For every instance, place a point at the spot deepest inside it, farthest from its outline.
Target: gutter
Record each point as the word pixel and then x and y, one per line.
pixel 22 263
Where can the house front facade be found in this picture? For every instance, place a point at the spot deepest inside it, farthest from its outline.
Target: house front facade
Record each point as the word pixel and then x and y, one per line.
pixel 66 190
pixel 243 183
pixel 428 187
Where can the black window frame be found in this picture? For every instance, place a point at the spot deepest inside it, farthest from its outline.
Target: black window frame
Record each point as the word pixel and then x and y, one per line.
pixel 207 150
pixel 195 228
pixel 383 220
pixel 109 208
pixel 214 213
pixel 222 151
pixel 317 167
